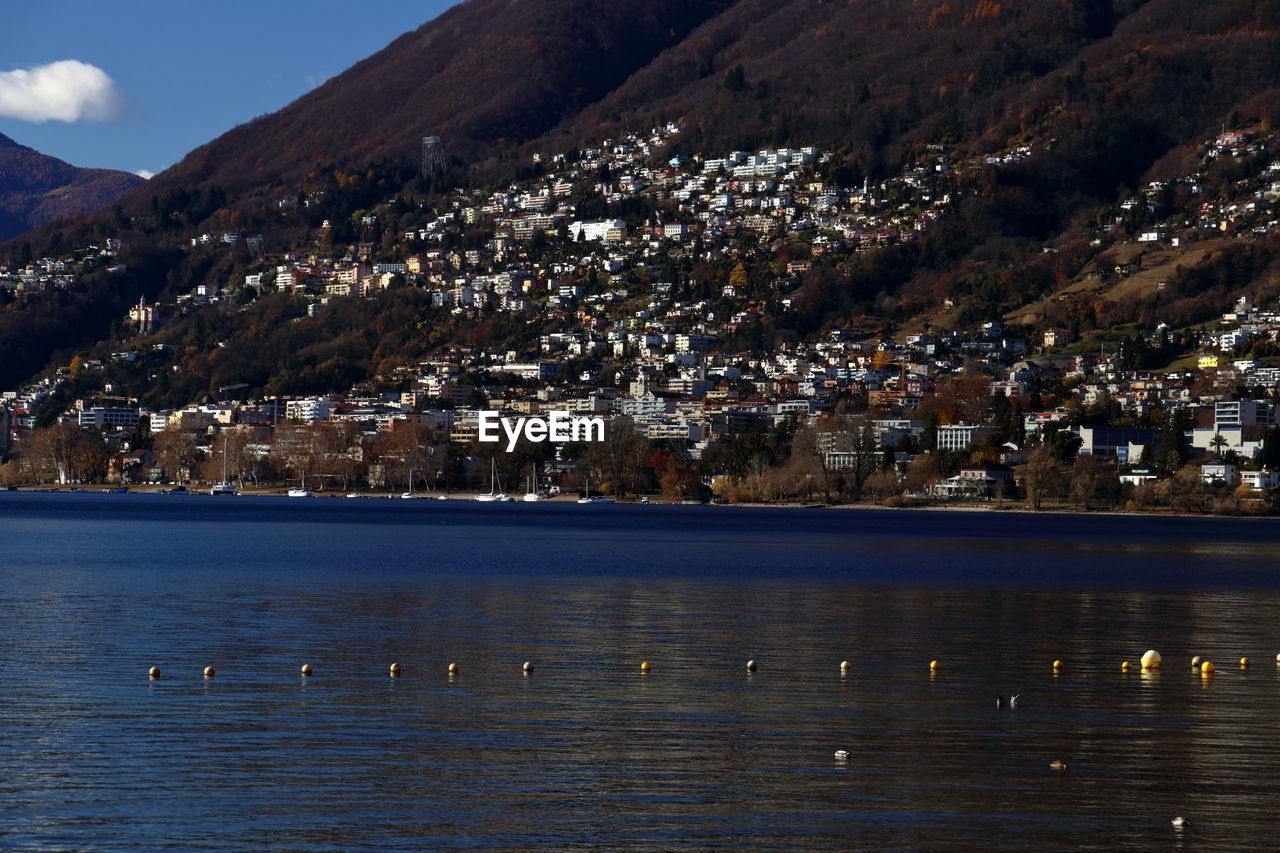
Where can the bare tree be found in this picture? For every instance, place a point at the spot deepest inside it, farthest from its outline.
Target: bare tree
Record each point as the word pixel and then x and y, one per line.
pixel 68 453
pixel 1042 476
pixel 617 461
pixel 176 454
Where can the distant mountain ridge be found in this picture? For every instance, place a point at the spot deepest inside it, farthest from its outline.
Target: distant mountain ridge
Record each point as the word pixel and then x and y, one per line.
pixel 870 78
pixel 36 188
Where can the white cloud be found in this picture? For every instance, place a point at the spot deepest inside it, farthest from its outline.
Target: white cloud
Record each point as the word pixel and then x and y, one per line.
pixel 145 174
pixel 68 91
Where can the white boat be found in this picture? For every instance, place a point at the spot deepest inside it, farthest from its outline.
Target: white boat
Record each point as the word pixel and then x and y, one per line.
pixel 224 488
pixel 493 494
pixel 588 499
pixel 299 493
pixel 531 487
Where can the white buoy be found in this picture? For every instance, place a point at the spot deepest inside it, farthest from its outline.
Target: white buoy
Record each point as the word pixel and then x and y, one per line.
pixel 751 666
pixel 154 672
pixel 306 669
pixel 1195 662
pixel 845 666
pixel 1151 659
pixel 528 667
pixel 210 672
pixel 453 669
pixel 1180 822
pixel 394 670
pixel 842 755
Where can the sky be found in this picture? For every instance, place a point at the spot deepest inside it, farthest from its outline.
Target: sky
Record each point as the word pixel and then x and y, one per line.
pixel 136 84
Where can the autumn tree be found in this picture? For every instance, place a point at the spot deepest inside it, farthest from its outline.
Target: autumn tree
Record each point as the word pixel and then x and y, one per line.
pixel 676 479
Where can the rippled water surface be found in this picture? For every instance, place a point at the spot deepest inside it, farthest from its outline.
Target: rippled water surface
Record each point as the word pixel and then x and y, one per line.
pixel 589 753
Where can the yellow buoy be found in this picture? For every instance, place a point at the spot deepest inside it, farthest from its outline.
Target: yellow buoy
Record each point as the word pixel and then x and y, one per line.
pixel 306 669
pixel 1125 666
pixel 1206 668
pixel 209 672
pixel 1151 659
pixel 1244 663
pixel 453 669
pixel 934 666
pixel 528 667
pixel 845 666
pixel 1196 661
pixel 644 666
pixel 751 666
pixel 394 670
pixel 154 672
pixel 1057 665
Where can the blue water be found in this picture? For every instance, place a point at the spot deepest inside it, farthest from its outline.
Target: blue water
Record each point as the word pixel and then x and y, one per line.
pixel 587 752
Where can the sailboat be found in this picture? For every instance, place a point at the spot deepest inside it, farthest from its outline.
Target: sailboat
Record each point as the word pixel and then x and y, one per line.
pixel 493 494
pixel 588 499
pixel 531 488
pixel 224 488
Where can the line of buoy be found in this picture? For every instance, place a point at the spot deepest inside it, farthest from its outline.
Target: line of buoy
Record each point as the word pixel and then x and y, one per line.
pixel 1150 661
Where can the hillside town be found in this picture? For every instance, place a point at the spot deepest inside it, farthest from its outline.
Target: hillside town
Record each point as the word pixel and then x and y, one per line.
pixel 1008 408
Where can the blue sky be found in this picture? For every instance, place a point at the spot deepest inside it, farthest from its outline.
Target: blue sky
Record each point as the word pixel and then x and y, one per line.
pixel 133 85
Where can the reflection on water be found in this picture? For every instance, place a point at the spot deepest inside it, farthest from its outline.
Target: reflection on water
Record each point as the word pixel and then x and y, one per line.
pixel 587 752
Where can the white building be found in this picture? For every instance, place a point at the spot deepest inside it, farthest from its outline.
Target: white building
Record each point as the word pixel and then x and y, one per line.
pixel 606 230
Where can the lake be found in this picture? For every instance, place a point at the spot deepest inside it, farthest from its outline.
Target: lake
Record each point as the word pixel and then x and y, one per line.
pixel 587 752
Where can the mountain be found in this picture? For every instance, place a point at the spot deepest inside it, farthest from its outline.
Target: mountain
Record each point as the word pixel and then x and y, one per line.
pixel 485 75
pixel 36 188
pixel 1111 95
pixel 1120 82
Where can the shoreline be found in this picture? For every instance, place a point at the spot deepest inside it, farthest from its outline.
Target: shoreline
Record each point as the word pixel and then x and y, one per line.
pixel 1006 507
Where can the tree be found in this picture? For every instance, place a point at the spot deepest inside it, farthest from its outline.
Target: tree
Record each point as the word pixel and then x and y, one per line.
pixel 677 480
pixel 1174 452
pixel 61 450
pixel 176 454
pixel 296 450
pixel 1093 481
pixel 617 461
pixel 1042 476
